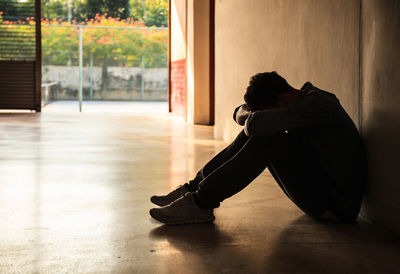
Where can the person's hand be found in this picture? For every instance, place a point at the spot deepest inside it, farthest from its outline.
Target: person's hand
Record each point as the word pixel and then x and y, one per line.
pixel 242 114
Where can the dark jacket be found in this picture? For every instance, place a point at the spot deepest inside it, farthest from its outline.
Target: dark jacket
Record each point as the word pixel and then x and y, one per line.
pixel 327 131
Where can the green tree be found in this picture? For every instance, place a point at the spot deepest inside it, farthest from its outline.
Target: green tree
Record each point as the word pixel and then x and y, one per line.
pixel 82 9
pixel 54 8
pixel 109 47
pixel 79 10
pixel 113 8
pixel 150 12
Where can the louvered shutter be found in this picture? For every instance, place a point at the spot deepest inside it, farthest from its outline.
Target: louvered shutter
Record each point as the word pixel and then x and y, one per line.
pixel 20 54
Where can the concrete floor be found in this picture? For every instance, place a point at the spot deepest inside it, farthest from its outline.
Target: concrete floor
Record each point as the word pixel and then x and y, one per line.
pixel 74 197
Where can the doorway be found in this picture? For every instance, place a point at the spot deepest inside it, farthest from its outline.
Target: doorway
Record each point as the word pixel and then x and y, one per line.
pixel 104 53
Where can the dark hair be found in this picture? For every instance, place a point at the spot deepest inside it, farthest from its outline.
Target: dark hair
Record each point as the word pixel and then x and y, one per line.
pixel 264 89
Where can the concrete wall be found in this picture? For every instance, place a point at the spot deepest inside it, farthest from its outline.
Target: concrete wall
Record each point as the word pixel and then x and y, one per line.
pixel 381 109
pixel 118 83
pixel 304 40
pixel 348 47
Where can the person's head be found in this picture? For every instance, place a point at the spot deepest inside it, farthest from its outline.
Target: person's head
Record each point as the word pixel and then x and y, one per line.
pixel 264 89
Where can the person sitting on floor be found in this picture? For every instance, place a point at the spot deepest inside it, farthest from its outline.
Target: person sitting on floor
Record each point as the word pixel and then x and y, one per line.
pixel 304 137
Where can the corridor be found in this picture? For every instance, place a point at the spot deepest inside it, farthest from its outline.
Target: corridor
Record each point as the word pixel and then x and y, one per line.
pixel 74 197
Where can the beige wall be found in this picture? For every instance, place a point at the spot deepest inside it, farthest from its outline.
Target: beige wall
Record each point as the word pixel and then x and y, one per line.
pixel 304 40
pixel 178 58
pixel 198 65
pixel 178 29
pixel 190 62
pixel 381 109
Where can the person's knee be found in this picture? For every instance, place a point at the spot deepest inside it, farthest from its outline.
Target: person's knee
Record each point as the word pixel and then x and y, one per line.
pixel 241 137
pixel 271 145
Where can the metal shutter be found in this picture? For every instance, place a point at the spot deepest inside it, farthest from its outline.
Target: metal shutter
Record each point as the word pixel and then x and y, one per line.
pixel 20 54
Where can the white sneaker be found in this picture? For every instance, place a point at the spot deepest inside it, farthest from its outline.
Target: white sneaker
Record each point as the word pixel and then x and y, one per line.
pixel 182 211
pixel 170 197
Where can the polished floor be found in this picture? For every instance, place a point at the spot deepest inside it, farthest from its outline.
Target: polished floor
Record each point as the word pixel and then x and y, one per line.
pixel 74 198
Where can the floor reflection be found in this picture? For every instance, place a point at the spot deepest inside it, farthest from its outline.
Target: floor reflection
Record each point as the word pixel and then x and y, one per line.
pixel 74 197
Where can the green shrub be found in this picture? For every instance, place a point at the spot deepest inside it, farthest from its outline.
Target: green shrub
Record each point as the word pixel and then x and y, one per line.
pixel 116 45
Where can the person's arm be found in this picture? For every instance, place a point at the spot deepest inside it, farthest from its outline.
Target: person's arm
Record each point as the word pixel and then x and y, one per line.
pixel 241 113
pixel 313 110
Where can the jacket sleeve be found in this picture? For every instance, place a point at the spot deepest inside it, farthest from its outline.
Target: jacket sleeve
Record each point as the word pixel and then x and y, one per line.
pixel 235 112
pixel 312 110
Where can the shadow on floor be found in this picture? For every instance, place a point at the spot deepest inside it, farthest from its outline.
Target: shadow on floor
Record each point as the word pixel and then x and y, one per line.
pixel 202 234
pixel 305 246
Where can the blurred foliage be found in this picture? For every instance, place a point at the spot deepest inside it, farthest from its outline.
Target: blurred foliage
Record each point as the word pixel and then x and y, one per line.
pixel 150 12
pixel 108 46
pixel 55 9
pixel 82 9
pixel 113 8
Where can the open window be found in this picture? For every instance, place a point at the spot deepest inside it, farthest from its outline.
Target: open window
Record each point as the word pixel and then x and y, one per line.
pixel 20 54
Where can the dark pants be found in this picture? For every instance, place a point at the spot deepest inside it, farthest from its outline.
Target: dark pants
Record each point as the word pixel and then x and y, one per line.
pixel 296 171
